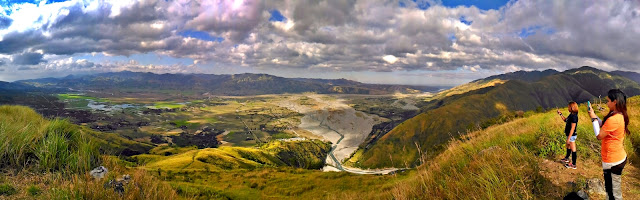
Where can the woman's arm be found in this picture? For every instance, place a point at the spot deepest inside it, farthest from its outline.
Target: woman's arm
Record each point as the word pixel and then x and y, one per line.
pixel 612 124
pixel 602 134
pixel 562 117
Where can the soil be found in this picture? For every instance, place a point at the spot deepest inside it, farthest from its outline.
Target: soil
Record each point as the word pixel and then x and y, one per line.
pixel 568 179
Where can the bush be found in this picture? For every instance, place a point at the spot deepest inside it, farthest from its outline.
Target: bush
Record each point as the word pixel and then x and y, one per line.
pixel 7 190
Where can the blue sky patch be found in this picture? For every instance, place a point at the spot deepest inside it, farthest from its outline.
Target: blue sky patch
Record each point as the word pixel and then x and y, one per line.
pixel 276 16
pixel 11 2
pixel 451 37
pixel 526 32
pixel 201 35
pixel 481 4
pixel 532 30
pixel 465 21
pixel 422 4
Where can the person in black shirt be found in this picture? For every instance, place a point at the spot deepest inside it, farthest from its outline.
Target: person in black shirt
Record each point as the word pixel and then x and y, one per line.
pixel 571 133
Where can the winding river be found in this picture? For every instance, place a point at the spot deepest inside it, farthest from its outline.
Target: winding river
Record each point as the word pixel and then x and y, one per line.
pixel 338 123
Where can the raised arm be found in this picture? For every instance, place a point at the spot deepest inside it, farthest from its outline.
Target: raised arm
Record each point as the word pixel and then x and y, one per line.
pixel 561 116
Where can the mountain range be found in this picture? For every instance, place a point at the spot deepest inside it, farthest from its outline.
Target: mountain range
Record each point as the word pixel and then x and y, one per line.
pixel 133 83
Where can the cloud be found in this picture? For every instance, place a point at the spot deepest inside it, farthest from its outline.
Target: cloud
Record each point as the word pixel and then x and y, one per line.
pixel 27 59
pixel 390 59
pixel 26 68
pixel 5 21
pixel 331 36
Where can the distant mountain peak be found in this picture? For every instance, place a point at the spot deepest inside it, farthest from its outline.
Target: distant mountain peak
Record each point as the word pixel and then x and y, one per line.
pixel 530 76
pixel 584 69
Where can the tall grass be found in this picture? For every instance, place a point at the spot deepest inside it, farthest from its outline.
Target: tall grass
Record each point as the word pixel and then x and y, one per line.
pixel 28 141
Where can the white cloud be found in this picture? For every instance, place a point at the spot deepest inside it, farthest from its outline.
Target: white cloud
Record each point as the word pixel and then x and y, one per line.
pixel 390 59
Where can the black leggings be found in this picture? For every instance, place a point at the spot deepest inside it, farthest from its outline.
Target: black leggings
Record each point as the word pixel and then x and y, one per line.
pixel 613 182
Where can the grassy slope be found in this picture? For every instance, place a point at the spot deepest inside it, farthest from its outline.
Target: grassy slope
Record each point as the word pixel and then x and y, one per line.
pixel 515 161
pixel 66 152
pixel 30 141
pixel 281 183
pixel 303 154
pixel 459 113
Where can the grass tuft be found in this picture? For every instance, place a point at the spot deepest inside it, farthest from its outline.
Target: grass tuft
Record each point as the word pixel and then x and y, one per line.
pixel 30 141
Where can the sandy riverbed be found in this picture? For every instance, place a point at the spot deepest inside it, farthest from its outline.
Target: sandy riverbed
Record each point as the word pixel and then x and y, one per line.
pixel 334 121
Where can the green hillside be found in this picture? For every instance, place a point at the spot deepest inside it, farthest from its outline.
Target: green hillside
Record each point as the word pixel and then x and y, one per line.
pixel 301 154
pixel 453 116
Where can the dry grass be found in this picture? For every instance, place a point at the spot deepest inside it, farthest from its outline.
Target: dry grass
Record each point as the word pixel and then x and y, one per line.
pixel 83 186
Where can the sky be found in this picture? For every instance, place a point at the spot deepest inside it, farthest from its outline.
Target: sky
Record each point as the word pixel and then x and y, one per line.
pixel 416 42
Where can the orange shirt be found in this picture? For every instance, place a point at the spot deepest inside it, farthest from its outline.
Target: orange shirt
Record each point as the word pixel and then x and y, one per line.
pixel 612 147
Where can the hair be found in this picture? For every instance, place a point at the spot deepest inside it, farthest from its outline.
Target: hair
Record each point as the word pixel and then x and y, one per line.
pixel 621 106
pixel 573 107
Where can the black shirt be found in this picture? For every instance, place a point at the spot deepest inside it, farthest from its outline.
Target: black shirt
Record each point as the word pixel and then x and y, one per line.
pixel 572 118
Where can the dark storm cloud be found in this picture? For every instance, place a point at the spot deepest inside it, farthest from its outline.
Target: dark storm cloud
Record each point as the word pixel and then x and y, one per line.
pixel 18 41
pixel 27 59
pixel 24 68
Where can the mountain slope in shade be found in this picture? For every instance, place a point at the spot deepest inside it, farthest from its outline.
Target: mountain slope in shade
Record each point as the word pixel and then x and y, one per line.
pixel 630 75
pixel 430 131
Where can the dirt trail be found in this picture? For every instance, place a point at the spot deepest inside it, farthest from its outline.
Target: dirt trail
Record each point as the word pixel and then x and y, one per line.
pixel 565 178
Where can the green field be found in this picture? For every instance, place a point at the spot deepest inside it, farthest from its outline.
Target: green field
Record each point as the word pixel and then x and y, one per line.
pixel 78 101
pixel 168 105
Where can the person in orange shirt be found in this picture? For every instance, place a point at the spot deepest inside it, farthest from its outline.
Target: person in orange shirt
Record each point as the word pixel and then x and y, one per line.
pixel 611 131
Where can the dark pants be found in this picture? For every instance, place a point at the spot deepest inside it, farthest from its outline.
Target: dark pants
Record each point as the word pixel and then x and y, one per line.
pixel 613 181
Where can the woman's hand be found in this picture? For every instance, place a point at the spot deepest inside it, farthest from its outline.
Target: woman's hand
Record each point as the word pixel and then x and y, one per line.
pixel 568 141
pixel 591 112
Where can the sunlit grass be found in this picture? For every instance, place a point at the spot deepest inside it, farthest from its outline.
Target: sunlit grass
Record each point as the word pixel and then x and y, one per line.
pixel 78 100
pixel 168 105
pixel 30 141
pixel 304 154
pixel 51 159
